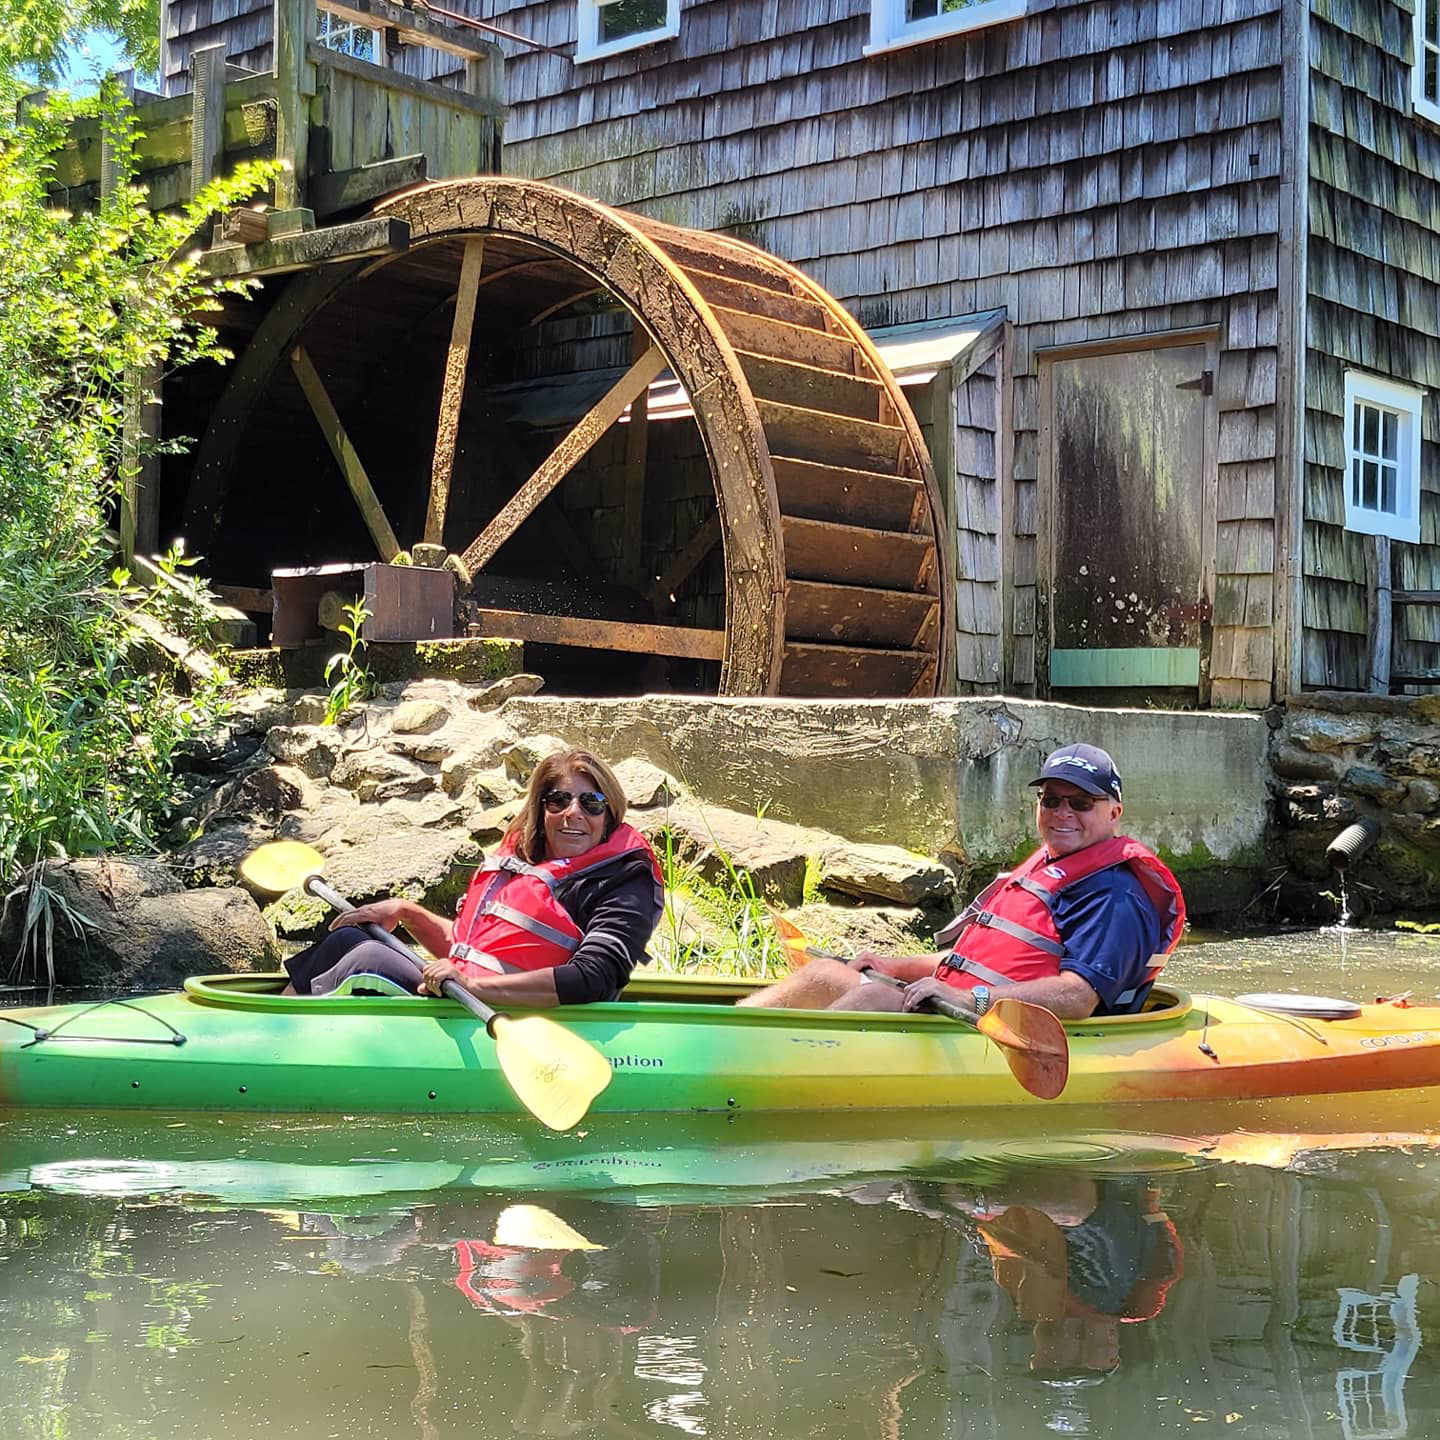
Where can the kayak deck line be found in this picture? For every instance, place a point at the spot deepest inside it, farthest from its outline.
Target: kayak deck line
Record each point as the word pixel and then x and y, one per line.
pixel 40 1035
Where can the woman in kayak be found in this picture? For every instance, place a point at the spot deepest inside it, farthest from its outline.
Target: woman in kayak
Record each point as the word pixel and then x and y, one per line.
pixel 559 915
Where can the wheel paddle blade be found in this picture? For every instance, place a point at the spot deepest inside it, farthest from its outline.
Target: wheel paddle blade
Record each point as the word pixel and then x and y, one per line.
pixel 1033 1042
pixel 280 866
pixel 554 1073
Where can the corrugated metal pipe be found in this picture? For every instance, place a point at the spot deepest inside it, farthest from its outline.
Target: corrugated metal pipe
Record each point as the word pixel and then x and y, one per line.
pixel 1351 843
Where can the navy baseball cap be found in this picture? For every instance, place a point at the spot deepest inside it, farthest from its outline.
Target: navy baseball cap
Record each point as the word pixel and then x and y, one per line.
pixel 1086 766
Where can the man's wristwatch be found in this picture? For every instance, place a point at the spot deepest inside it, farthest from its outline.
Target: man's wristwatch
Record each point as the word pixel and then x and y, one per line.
pixel 980 994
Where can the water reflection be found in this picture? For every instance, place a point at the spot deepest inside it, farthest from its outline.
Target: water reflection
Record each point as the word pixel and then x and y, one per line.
pixel 967 1294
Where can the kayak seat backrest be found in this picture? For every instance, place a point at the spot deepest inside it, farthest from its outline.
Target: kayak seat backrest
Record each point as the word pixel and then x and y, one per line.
pixel 365 984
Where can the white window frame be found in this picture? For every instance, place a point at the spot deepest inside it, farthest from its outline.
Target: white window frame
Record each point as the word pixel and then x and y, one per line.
pixel 1405 403
pixel 589 46
pixel 890 30
pixel 330 28
pixel 1422 103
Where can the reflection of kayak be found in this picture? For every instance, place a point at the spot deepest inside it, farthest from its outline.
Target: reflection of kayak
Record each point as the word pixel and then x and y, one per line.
pixel 331 1163
pixel 232 1043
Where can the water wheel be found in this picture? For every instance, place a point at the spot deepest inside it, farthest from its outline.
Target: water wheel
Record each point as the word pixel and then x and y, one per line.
pixel 825 504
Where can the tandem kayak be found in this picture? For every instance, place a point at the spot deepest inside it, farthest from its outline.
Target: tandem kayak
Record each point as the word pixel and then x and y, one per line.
pixel 678 1044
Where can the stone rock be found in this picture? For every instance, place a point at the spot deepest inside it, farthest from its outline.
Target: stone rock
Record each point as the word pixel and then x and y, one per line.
pixel 885 872
pixel 475 771
pixel 1421 797
pixel 521 756
pixel 646 785
pixel 214 857
pixel 315 749
pixel 378 775
pixel 509 688
pixel 142 930
pixel 845 929
pixel 427 749
pixel 271 792
pixel 256 711
pixel 1292 763
pixel 311 709
pixel 1409 757
pixel 418 717
pixel 1374 783
pixel 723 845
pixel 1314 730
pixel 220 752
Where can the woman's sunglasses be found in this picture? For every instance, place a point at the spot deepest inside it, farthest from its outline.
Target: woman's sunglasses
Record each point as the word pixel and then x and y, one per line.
pixel 557 802
pixel 1079 804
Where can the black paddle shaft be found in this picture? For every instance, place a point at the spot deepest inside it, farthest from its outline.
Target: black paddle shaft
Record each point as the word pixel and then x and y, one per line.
pixel 455 991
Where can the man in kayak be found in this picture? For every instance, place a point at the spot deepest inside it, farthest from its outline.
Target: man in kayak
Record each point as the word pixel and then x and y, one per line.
pixel 1081 927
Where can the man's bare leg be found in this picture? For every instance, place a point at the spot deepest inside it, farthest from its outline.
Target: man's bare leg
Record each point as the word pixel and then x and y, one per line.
pixel 872 995
pixel 815 986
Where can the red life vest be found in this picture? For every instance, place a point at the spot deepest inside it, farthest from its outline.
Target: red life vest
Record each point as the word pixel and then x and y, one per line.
pixel 510 918
pixel 1007 933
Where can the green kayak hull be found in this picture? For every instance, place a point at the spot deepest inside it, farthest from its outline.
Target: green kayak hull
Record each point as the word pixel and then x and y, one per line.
pixel 233 1043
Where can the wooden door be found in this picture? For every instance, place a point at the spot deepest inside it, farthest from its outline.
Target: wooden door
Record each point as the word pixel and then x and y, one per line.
pixel 1129 454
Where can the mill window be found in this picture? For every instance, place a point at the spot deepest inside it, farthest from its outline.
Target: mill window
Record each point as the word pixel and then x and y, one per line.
pixel 609 26
pixel 1425 72
pixel 1382 457
pixel 335 33
pixel 897 23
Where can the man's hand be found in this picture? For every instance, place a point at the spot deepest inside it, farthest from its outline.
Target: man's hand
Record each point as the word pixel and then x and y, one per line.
pixel 437 972
pixel 919 991
pixel 868 960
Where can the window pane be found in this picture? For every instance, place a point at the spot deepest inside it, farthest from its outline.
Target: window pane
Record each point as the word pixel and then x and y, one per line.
pixel 1370 488
pixel 921 9
pixel 630 17
pixel 1388 476
pixel 1355 442
pixel 1432 76
pixel 1389 435
pixel 1355 481
pixel 1370 444
pixel 1432 21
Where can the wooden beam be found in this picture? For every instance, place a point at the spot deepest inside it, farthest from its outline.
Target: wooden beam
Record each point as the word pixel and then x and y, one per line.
pixel 293 22
pixel 690 558
pixel 390 79
pixel 251 599
pixel 419 23
pixel 637 435
pixel 207 122
pixel 566 455
pixel 1415 597
pixel 1378 647
pixel 626 635
pixel 342 190
pixel 376 235
pixel 345 454
pixel 452 391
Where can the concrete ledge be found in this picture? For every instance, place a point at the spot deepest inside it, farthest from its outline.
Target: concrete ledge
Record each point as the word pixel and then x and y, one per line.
pixel 939 776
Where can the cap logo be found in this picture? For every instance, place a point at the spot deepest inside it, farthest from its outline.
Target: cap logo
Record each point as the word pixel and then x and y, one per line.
pixel 1076 760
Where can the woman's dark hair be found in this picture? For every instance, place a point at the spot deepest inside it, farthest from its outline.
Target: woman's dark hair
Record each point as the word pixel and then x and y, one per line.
pixel 527 830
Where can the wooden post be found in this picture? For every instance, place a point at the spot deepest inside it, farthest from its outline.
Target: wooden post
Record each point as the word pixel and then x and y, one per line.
pixel 207 115
pixel 637 436
pixel 294 27
pixel 1377 567
pixel 452 392
pixel 566 455
pixel 345 454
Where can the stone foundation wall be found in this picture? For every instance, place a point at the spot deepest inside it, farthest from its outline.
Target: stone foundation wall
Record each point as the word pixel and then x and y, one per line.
pixel 1336 758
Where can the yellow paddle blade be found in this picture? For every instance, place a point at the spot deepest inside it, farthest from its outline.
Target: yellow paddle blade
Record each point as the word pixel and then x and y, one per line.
pixel 554 1073
pixel 280 866
pixel 532 1227
pixel 1034 1044
pixel 792 939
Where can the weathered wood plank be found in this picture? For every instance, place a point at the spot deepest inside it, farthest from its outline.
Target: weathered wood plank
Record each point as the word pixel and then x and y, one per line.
pixel 452 390
pixel 856 614
pixel 376 235
pixel 564 458
pixel 346 456
pixel 332 194
pixel 810 490
pixel 849 555
pixel 626 635
pixel 810 669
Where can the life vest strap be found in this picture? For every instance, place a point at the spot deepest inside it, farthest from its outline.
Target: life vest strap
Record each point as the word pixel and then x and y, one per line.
pixel 529 923
pixel 1020 933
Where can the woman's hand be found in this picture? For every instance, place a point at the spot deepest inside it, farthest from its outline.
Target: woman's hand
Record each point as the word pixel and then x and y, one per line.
pixel 917 992
pixel 387 914
pixel 436 973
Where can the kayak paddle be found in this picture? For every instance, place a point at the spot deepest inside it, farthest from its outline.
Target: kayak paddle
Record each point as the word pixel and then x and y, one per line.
pixel 1030 1037
pixel 554 1073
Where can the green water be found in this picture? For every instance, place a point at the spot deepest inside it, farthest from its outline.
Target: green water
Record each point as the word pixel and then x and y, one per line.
pixel 861 1276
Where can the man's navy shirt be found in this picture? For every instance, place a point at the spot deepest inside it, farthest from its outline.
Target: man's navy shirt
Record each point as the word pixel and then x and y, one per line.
pixel 1110 931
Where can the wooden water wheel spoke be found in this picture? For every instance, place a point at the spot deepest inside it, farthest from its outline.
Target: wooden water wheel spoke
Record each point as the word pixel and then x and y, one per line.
pixel 452 392
pixel 566 455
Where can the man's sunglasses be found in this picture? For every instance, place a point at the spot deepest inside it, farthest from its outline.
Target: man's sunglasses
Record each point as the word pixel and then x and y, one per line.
pixel 1079 804
pixel 557 802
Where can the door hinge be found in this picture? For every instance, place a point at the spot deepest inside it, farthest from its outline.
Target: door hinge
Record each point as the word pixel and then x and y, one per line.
pixel 1204 382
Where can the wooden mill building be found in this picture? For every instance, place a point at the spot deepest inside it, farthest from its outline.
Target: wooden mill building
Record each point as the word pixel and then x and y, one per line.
pixel 1157 281
pixel 1170 269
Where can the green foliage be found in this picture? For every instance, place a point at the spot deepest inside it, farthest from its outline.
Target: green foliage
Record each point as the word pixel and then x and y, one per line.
pixel 348 679
pixel 1419 927
pixel 91 718
pixel 36 34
